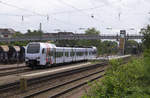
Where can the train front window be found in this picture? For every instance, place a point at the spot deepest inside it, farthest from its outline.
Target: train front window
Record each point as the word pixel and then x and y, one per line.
pixel 33 48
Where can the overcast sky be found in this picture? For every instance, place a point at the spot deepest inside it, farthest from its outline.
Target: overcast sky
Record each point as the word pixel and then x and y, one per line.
pixel 70 15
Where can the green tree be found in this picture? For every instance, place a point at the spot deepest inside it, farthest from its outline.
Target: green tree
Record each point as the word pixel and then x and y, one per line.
pixel 66 42
pixel 96 43
pixel 131 47
pixel 34 33
pixel 17 34
pixel 146 39
pixel 92 31
pixel 109 47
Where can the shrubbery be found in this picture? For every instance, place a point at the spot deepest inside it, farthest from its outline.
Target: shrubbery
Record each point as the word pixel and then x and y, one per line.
pixel 130 80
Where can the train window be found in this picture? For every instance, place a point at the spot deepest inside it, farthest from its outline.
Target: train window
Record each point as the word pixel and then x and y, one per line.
pixel 50 53
pixel 43 51
pixel 72 53
pixel 59 54
pixel 89 52
pixel 66 54
pixel 86 53
pixel 79 53
pixel 94 52
pixel 33 48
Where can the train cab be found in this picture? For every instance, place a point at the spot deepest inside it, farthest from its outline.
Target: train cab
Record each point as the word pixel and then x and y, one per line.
pixel 38 54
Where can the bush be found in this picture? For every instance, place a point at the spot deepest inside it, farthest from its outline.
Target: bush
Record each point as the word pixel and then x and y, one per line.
pixel 126 81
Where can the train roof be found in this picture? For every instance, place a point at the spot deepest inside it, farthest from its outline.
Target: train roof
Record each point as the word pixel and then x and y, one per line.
pixel 62 46
pixel 75 46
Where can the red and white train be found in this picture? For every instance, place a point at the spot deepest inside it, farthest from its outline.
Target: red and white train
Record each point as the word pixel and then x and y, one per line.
pixel 47 54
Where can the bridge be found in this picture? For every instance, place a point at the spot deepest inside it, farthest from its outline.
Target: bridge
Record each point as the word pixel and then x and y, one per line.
pixel 122 37
pixel 54 37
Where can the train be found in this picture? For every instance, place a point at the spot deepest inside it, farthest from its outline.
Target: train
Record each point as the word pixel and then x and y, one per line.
pixel 12 54
pixel 38 54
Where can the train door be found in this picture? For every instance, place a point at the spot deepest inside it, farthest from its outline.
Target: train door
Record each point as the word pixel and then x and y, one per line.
pixel 49 55
pixel 43 57
pixel 54 55
pixel 70 58
pixel 72 54
pixel 75 54
pixel 84 50
pixel 64 54
pixel 86 54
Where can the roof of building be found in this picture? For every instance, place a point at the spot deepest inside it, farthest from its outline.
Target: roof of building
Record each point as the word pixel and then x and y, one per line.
pixel 7 30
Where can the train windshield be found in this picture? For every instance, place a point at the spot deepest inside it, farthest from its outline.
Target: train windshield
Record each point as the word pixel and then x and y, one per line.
pixel 33 48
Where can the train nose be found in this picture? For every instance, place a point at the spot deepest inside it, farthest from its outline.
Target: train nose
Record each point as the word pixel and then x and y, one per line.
pixel 32 63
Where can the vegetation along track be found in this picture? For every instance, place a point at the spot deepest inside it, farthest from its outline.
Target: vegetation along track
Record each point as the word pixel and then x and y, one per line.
pixel 6 91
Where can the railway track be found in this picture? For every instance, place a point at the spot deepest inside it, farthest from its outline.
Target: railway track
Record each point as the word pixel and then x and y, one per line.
pixel 13 89
pixel 15 70
pixel 10 68
pixel 69 85
pixel 20 69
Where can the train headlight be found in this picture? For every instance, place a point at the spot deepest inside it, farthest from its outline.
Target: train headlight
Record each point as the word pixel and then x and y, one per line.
pixel 38 58
pixel 26 58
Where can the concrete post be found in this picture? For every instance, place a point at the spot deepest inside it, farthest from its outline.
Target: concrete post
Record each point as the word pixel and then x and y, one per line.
pixel 23 84
pixel 122 42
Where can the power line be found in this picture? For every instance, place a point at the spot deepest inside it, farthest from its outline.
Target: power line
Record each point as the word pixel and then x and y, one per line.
pixel 26 15
pixel 39 14
pixel 23 9
pixel 72 6
pixel 55 13
pixel 73 11
pixel 35 13
pixel 92 16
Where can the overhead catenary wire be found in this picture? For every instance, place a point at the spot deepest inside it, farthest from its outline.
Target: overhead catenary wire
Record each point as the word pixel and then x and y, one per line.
pixel 28 15
pixel 92 16
pixel 34 13
pixel 39 14
pixel 69 5
pixel 23 9
pixel 54 13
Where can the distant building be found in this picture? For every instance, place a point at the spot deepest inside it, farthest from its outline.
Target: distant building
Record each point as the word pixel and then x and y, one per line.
pixel 6 32
pixel 65 33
